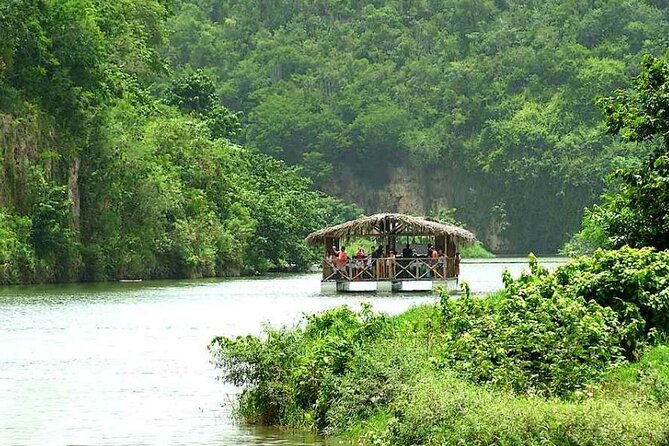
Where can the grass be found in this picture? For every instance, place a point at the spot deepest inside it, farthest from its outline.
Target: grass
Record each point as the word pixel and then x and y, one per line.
pixel 438 409
pixel 644 383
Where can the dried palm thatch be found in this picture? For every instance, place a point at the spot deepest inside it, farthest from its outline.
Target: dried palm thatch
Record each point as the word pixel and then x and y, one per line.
pixel 383 225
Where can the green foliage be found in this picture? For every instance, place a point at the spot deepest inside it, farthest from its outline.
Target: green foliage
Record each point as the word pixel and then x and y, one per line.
pixel 473 103
pixel 199 206
pixel 476 251
pixel 196 93
pixel 447 215
pixel 193 92
pixel 116 168
pixel 529 342
pixel 633 282
pixel 591 236
pixel 639 114
pixel 291 374
pixel 52 230
pixel 633 212
pixel 643 383
pixel 440 409
pixel 372 379
pixel 537 363
pixel 17 256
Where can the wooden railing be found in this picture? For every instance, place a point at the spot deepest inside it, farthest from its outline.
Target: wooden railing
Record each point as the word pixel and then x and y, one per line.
pixel 390 269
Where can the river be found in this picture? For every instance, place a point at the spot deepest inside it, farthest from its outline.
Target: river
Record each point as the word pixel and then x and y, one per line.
pixel 126 363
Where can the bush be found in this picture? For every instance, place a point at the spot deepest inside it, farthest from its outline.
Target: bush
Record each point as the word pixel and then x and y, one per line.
pixel 289 375
pixel 372 379
pixel 17 257
pixel 527 342
pixel 523 366
pixel 634 283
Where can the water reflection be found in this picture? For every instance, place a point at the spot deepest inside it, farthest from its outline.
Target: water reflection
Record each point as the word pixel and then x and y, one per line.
pixel 126 363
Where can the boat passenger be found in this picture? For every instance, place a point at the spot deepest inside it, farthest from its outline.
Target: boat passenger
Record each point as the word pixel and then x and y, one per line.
pixel 342 259
pixel 434 254
pixel 359 260
pixel 407 252
pixel 330 261
pixel 457 263
pixel 440 258
pixel 360 253
pixel 376 255
pixel 390 264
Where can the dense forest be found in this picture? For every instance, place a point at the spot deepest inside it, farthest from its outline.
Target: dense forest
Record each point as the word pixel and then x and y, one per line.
pixel 485 106
pixel 207 137
pixel 115 167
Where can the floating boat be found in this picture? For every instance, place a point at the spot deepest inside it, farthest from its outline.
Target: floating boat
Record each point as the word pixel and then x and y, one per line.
pixel 391 272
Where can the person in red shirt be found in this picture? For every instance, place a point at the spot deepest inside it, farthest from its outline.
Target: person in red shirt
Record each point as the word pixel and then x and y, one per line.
pixel 342 258
pixel 360 257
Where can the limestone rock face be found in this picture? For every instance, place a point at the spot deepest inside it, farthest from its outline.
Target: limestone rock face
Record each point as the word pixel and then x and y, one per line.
pixel 418 191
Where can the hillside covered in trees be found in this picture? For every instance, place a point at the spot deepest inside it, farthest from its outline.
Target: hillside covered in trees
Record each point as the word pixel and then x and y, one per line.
pixel 486 106
pixel 113 167
pixel 148 139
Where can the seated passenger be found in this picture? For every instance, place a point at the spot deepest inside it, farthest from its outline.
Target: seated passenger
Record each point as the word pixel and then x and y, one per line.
pixel 434 255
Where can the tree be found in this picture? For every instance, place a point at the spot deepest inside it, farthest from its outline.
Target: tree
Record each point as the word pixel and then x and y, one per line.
pixel 635 212
pixel 196 93
pixel 641 113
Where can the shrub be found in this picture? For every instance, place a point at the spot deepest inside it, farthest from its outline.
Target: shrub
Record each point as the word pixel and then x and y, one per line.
pixel 17 257
pixel 527 342
pixel 290 375
pixel 634 283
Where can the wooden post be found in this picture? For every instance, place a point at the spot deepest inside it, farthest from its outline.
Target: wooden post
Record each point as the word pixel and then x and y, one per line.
pixel 450 253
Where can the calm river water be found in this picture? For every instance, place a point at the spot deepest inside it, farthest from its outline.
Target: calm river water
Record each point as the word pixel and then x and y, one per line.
pixel 126 363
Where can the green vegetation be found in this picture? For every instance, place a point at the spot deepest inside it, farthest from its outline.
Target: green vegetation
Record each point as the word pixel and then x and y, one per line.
pixel 113 167
pixel 634 210
pixel 476 251
pixel 542 362
pixel 487 106
pixel 574 356
pixel 123 127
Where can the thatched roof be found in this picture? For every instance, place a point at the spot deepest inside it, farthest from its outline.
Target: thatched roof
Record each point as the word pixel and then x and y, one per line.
pixel 391 224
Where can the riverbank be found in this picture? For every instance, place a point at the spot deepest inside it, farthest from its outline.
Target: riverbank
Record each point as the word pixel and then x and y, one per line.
pixel 380 382
pixel 550 360
pixel 387 390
